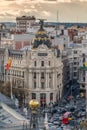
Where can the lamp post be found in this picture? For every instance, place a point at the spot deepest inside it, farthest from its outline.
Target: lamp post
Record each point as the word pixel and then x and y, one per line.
pixel 33 104
pixel 46 121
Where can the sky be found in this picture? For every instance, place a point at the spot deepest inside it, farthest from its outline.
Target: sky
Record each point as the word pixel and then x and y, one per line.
pixel 51 10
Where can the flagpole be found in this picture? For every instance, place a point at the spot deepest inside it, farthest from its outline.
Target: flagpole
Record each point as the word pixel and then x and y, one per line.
pixel 11 86
pixel 8 65
pixel 6 75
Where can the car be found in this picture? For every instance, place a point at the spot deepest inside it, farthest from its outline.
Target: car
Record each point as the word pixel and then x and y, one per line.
pixel 83 113
pixel 59 128
pixel 60 118
pixel 56 123
pixel 50 124
pixel 53 110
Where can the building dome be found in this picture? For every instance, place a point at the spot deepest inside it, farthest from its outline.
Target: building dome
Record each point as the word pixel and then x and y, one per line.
pixel 41 37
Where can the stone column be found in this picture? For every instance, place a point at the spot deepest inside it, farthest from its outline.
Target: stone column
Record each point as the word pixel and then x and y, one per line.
pixel 26 75
pixel 53 76
pixel 39 80
pixel 30 80
pixel 55 80
pixel 47 80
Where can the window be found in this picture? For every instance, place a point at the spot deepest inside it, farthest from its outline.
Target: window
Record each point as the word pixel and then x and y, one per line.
pixel 75 58
pixel 75 73
pixel 75 68
pixel 49 75
pixel 33 95
pixel 42 75
pixel 57 86
pixel 42 85
pixel 34 75
pixel 83 86
pixel 23 74
pixel 83 55
pixel 35 63
pixel 43 99
pixel 75 52
pixel 83 79
pixel 51 96
pixel 42 63
pixel 49 63
pixel 75 63
pixel 34 84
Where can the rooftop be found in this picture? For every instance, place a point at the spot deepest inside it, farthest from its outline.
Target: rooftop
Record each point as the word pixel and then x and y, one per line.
pixel 26 18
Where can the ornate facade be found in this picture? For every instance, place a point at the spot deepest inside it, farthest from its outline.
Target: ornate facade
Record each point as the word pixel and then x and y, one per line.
pixel 36 73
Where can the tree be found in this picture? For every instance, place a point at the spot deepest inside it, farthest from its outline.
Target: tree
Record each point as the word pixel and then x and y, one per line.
pixel 5 89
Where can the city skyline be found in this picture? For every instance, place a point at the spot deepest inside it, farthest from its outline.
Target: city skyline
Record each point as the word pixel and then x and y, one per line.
pixel 52 10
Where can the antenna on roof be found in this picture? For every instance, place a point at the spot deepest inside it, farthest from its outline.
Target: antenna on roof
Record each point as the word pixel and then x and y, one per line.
pixel 57 18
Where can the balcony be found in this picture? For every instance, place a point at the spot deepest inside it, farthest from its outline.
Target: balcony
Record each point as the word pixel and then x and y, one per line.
pixel 82 82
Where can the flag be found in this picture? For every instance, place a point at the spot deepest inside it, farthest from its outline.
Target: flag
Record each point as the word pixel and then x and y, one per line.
pixel 8 65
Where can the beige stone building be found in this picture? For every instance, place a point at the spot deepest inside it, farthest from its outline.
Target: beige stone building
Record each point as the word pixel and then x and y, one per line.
pixel 36 73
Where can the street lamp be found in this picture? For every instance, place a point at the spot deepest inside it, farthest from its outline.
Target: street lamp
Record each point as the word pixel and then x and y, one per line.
pixel 33 104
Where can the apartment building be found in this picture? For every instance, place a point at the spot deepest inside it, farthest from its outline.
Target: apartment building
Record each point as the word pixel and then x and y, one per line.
pixel 24 22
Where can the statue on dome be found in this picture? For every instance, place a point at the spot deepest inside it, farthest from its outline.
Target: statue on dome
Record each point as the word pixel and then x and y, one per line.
pixel 41 36
pixel 41 23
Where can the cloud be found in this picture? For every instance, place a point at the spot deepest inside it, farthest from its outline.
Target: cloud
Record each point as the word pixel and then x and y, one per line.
pixel 10 0
pixel 46 13
pixel 69 10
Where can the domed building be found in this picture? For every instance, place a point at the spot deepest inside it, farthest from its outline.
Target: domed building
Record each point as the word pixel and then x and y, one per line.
pixel 41 37
pixel 37 73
